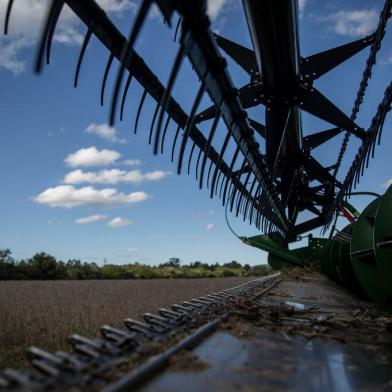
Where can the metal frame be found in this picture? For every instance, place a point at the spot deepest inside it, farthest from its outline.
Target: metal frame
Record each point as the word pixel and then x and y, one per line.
pixel 271 188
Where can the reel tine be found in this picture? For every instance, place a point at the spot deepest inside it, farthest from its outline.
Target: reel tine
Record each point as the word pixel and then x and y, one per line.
pixel 81 55
pixel 242 206
pixel 209 174
pixel 175 142
pixel 236 183
pixel 240 202
pixel 270 227
pixel 139 109
pixel 154 117
pixel 217 167
pixel 105 76
pixel 229 176
pixel 197 163
pixel 177 28
pixel 190 157
pixel 124 96
pixel 231 193
pixel 221 185
pixel 216 185
pixel 242 192
pixel 249 198
pixel 208 147
pixel 7 16
pixel 374 146
pixel 367 157
pixel 189 125
pixel 52 27
pixel 164 132
pixel 264 219
pixel 166 95
pixel 127 54
pixel 253 210
pixel 52 18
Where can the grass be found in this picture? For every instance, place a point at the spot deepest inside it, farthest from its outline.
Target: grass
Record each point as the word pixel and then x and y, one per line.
pixel 44 313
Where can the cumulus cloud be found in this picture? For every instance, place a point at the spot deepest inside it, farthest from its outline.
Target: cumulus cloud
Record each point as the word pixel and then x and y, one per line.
pixel 90 219
pixel 216 8
pixel 105 132
pixel 113 176
pixel 27 17
pixel 91 156
pixel 132 162
pixel 119 222
pixel 353 23
pixel 67 196
pixel 210 227
pixel 117 6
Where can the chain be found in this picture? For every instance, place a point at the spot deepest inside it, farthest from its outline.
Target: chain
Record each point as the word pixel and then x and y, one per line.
pixel 367 74
pixel 366 150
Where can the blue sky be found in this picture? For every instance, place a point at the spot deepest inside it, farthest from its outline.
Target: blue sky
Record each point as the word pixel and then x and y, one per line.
pixel 76 188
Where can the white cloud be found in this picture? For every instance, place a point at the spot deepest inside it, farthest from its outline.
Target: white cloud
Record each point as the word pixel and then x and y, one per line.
pixel 132 162
pixel 117 6
pixel 91 156
pixel 105 132
pixel 353 23
pixel 216 8
pixel 119 222
pixel 210 227
pixel 27 18
pixel 113 176
pixel 90 219
pixel 132 250
pixel 387 184
pixel 67 196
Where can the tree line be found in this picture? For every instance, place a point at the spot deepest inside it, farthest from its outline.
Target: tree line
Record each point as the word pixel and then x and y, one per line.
pixel 43 266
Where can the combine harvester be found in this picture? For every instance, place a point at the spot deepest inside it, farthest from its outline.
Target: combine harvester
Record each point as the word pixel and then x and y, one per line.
pixel 302 330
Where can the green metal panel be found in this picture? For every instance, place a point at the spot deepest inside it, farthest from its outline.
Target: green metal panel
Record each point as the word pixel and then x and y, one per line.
pixel 363 256
pixel 382 236
pixel 280 257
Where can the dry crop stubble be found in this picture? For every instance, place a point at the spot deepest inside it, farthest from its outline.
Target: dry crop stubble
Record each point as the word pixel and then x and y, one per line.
pixel 44 313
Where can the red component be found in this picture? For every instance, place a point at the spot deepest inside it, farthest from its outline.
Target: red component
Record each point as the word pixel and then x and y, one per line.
pixel 348 215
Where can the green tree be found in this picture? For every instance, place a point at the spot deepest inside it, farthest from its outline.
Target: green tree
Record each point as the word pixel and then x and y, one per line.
pixel 173 262
pixel 7 264
pixel 43 266
pixel 232 265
